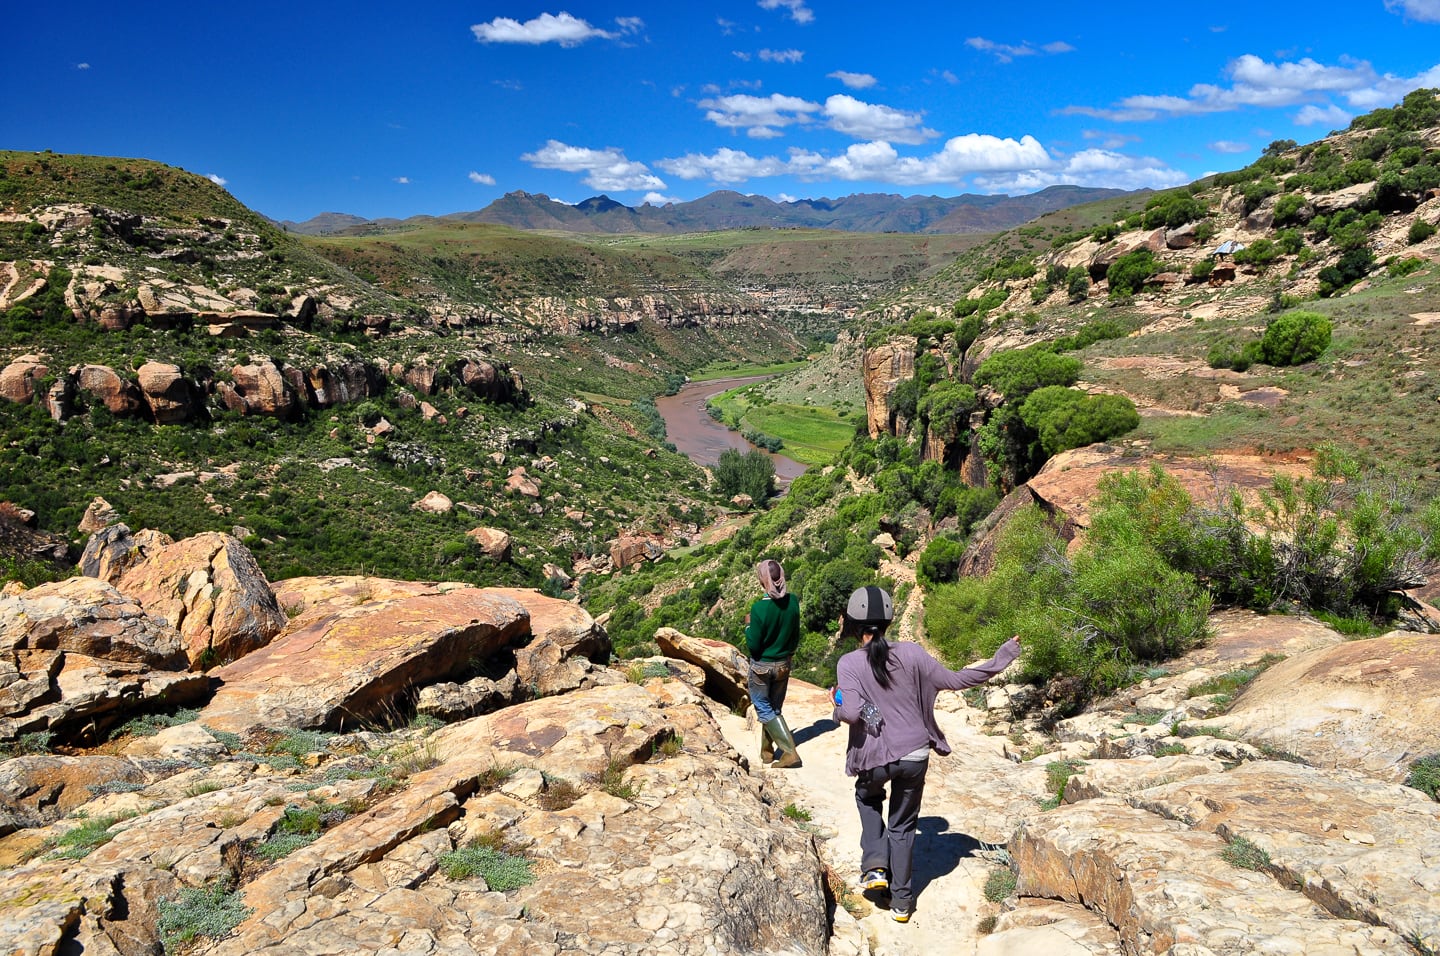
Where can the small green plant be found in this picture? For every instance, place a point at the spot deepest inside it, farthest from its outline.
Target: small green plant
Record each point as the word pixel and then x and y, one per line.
pixel 426 723
pixel 986 926
pixel 558 793
pixel 148 725
pixel 797 813
pixel 230 741
pixel 1425 776
pixel 500 870
pixel 29 744
pixel 77 843
pixel 671 746
pixel 1230 683
pixel 1170 750
pixel 1057 775
pixel 612 780
pixel 211 912
pixel 999 884
pixel 1245 855
pixel 201 787
pixel 282 845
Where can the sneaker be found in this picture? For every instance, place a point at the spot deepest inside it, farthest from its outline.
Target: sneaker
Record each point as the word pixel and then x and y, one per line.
pixel 875 879
pixel 900 916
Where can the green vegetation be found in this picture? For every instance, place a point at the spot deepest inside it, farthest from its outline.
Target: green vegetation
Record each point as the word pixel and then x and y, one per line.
pixel 1425 776
pixel 1229 684
pixel 1000 884
pixel 751 473
pixel 77 842
pixel 148 725
pixel 1294 338
pixel 796 813
pixel 501 871
pixel 1245 855
pixel 210 912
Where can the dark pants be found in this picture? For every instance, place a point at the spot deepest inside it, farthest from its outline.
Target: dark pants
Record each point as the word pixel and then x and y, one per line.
pixel 767 685
pixel 891 844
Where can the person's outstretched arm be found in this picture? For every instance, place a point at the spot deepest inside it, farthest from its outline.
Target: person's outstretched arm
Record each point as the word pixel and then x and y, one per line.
pixel 947 679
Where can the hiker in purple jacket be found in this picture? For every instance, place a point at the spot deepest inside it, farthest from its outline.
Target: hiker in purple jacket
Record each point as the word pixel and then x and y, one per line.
pixel 886 693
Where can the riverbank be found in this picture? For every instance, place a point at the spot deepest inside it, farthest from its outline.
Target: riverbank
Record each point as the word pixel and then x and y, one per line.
pixel 813 434
pixel 689 427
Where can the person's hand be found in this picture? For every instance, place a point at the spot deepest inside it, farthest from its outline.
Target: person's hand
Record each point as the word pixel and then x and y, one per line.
pixel 1016 639
pixel 835 695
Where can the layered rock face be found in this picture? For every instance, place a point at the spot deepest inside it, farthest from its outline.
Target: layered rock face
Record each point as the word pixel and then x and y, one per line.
pixel 886 367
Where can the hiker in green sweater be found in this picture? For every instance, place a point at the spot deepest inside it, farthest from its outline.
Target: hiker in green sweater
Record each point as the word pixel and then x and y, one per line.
pixel 772 631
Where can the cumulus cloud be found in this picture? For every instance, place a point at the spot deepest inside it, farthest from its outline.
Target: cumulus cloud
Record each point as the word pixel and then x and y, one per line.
pixel 1228 146
pixel 561 28
pixel 482 179
pixel 1426 10
pixel 1091 167
pixel 798 11
pixel 1260 83
pixel 403 180
pixel 82 66
pixel 217 180
pixel 762 117
pixel 656 199
pixel 856 81
pixel 724 166
pixel 871 121
pixel 782 56
pixel 605 169
pixel 1331 115
pixel 1005 52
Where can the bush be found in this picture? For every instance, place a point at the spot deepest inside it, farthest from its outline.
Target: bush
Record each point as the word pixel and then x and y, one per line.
pixel 1065 418
pixel 501 871
pixel 1260 253
pixel 940 561
pixel 1294 338
pixel 1077 284
pixel 212 912
pixel 1127 275
pixel 1017 373
pixel 1420 230
pixel 751 473
pixel 1203 268
pixel 1287 208
pixel 1425 776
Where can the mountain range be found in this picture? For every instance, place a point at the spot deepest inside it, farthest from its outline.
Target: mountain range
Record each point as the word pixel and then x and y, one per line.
pixel 726 209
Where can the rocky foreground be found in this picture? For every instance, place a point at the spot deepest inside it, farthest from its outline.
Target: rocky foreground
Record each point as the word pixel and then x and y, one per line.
pixel 406 767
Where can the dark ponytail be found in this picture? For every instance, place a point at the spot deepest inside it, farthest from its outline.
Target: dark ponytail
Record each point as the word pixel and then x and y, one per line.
pixel 877 654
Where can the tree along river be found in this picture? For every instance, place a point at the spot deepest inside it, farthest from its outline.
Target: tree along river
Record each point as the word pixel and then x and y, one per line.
pixel 694 433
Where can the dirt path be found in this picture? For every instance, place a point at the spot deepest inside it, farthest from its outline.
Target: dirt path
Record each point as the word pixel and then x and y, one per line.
pixel 963 794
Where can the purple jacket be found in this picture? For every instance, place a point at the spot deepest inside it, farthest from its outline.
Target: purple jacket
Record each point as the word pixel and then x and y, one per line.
pixel 907 706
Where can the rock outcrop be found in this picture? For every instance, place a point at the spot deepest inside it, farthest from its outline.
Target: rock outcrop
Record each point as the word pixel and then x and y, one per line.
pixel 209 588
pixel 886 366
pixel 726 673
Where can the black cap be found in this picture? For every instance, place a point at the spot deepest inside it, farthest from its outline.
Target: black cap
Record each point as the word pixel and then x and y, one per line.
pixel 870 605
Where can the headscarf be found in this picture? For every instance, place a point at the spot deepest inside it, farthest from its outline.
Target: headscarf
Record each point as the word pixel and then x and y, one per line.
pixel 772 578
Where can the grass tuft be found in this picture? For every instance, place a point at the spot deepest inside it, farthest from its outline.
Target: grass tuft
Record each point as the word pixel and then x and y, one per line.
pixel 211 912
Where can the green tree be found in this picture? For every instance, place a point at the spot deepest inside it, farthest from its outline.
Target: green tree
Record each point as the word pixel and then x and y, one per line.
pixel 1295 337
pixel 751 473
pixel 1127 275
pixel 946 409
pixel 1017 373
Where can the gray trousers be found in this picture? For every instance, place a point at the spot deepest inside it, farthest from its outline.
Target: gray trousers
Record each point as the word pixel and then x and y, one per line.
pixel 891 842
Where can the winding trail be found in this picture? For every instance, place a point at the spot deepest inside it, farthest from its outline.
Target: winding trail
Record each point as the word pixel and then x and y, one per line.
pixel 974 797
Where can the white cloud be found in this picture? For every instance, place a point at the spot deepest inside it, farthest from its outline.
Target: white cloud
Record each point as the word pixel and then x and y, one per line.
pixel 217 180
pixel 723 166
pixel 482 179
pixel 874 122
pixel 1263 84
pixel 1425 10
pixel 657 200
pixel 782 56
pixel 1227 146
pixel 403 180
pixel 561 28
pixel 1090 167
pixel 760 116
pixel 1330 116
pixel 798 11
pixel 82 66
pixel 856 81
pixel 1005 52
pixel 740 55
pixel 1110 140
pixel 605 169
pixel 785 197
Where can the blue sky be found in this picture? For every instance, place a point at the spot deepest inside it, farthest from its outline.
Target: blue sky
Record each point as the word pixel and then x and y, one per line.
pixel 389 109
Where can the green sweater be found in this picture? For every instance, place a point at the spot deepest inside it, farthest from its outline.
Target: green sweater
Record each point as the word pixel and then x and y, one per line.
pixel 774 629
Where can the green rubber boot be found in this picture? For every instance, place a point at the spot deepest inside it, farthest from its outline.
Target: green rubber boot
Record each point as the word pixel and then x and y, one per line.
pixel 779 732
pixel 767 747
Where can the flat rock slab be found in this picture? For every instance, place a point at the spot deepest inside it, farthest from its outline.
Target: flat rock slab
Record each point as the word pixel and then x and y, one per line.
pixel 1049 928
pixel 355 664
pixel 1162 884
pixel 1370 705
pixel 695 862
pixel 726 672
pixel 1359 847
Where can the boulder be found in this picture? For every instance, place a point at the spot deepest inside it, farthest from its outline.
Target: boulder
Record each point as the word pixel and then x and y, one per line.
pixel 727 674
pixel 347 667
pixel 113 550
pixel 520 483
pixel 99 514
pixel 1336 706
pixel 88 617
pixel 565 648
pixel 630 549
pixel 102 384
pixel 1164 886
pixel 166 393
pixel 434 503
pixel 260 389
pixel 18 380
pixel 41 788
pixel 209 588
pixel 492 541
pixel 450 702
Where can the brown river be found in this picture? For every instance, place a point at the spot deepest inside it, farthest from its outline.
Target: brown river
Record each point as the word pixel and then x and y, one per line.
pixel 691 429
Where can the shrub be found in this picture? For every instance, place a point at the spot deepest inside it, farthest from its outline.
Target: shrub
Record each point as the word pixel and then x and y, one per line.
pixel 1000 884
pixel 76 843
pixel 501 871
pixel 1015 374
pixel 751 473
pixel 212 912
pixel 1127 275
pixel 940 561
pixel 1287 208
pixel 1260 253
pixel 1294 338
pixel 1077 284
pixel 1203 268
pixel 1243 854
pixel 1420 230
pixel 1065 418
pixel 1425 776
